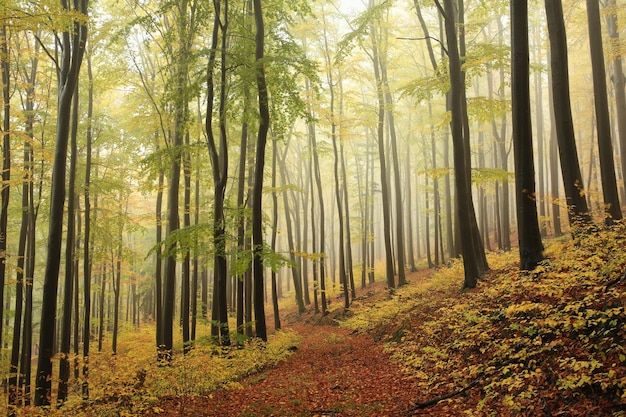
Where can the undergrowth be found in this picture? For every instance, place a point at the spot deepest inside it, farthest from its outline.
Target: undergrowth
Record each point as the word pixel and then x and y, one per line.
pixel 131 383
pixel 547 342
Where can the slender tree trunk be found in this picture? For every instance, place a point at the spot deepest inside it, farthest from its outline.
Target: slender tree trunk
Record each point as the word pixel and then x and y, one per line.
pixel 241 217
pixel 196 263
pixel 14 394
pixel 219 162
pixel 66 323
pixel 372 255
pixel 427 216
pixel 530 244
pixel 578 211
pixel 311 129
pixel 297 282
pixel 338 197
pixel 274 232
pixel 6 159
pixel 116 278
pixel 541 147
pixel 186 277
pixel 464 196
pixel 380 133
pixel 619 82
pixel 409 210
pixel 87 238
pixel 73 47
pixel 101 304
pixel 264 122
pixel 612 206
pixel 346 204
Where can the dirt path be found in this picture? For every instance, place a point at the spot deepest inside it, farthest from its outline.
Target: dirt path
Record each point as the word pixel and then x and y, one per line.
pixel 333 373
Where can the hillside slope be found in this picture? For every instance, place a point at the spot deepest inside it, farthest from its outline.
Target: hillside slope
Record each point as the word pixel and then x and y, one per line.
pixel 546 343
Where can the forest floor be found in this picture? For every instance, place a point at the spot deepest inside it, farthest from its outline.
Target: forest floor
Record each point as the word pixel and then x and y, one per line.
pixel 335 371
pixel 551 342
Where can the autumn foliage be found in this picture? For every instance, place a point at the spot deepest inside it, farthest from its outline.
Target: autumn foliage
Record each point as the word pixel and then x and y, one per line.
pixel 544 343
pixel 549 342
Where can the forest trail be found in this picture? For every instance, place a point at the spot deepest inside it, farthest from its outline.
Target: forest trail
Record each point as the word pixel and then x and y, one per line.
pixel 334 372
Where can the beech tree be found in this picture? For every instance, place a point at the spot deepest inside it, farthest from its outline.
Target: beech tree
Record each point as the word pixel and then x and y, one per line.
pixel 219 163
pixel 257 226
pixel 6 159
pixel 461 170
pixel 71 44
pixel 605 146
pixel 578 212
pixel 530 244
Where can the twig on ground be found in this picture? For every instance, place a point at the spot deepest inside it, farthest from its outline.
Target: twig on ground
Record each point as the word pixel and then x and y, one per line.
pixel 436 400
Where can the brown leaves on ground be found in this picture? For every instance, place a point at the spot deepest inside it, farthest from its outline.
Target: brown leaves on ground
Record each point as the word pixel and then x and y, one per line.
pixel 551 342
pixel 334 372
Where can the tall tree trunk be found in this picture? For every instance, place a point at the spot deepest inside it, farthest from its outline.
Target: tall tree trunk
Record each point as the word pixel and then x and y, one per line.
pixel 338 197
pixel 219 163
pixel 297 282
pixel 6 160
pixel 401 255
pixel 346 201
pixel 612 208
pixel 77 320
pixel 530 244
pixel 314 237
pixel 540 148
pixel 186 278
pixel 116 277
pixel 578 211
pixel 319 261
pixel 619 82
pixel 66 324
pixel 409 210
pixel 72 45
pixel 554 166
pixel 371 258
pixel 264 124
pixel 461 170
pixel 241 217
pixel 87 260
pixel 274 232
pixel 158 278
pixel 380 134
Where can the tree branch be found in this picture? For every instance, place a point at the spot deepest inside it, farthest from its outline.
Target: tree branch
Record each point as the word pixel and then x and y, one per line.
pixel 436 400
pixel 426 38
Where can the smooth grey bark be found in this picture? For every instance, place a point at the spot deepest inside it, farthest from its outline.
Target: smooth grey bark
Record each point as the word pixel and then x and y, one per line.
pixel 619 83
pixel 72 48
pixel 68 297
pixel 295 271
pixel 319 261
pixel 219 165
pixel 346 200
pixel 612 208
pixel 116 277
pixel 87 236
pixel 274 235
pixel 540 144
pixel 530 243
pixel 578 211
pixel 384 181
pixel 185 302
pixel 241 217
pixel 464 196
pixel 343 281
pixel 409 210
pixel 6 159
pixel 257 192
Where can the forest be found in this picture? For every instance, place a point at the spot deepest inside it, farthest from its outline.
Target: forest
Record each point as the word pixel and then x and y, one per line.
pixel 324 208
